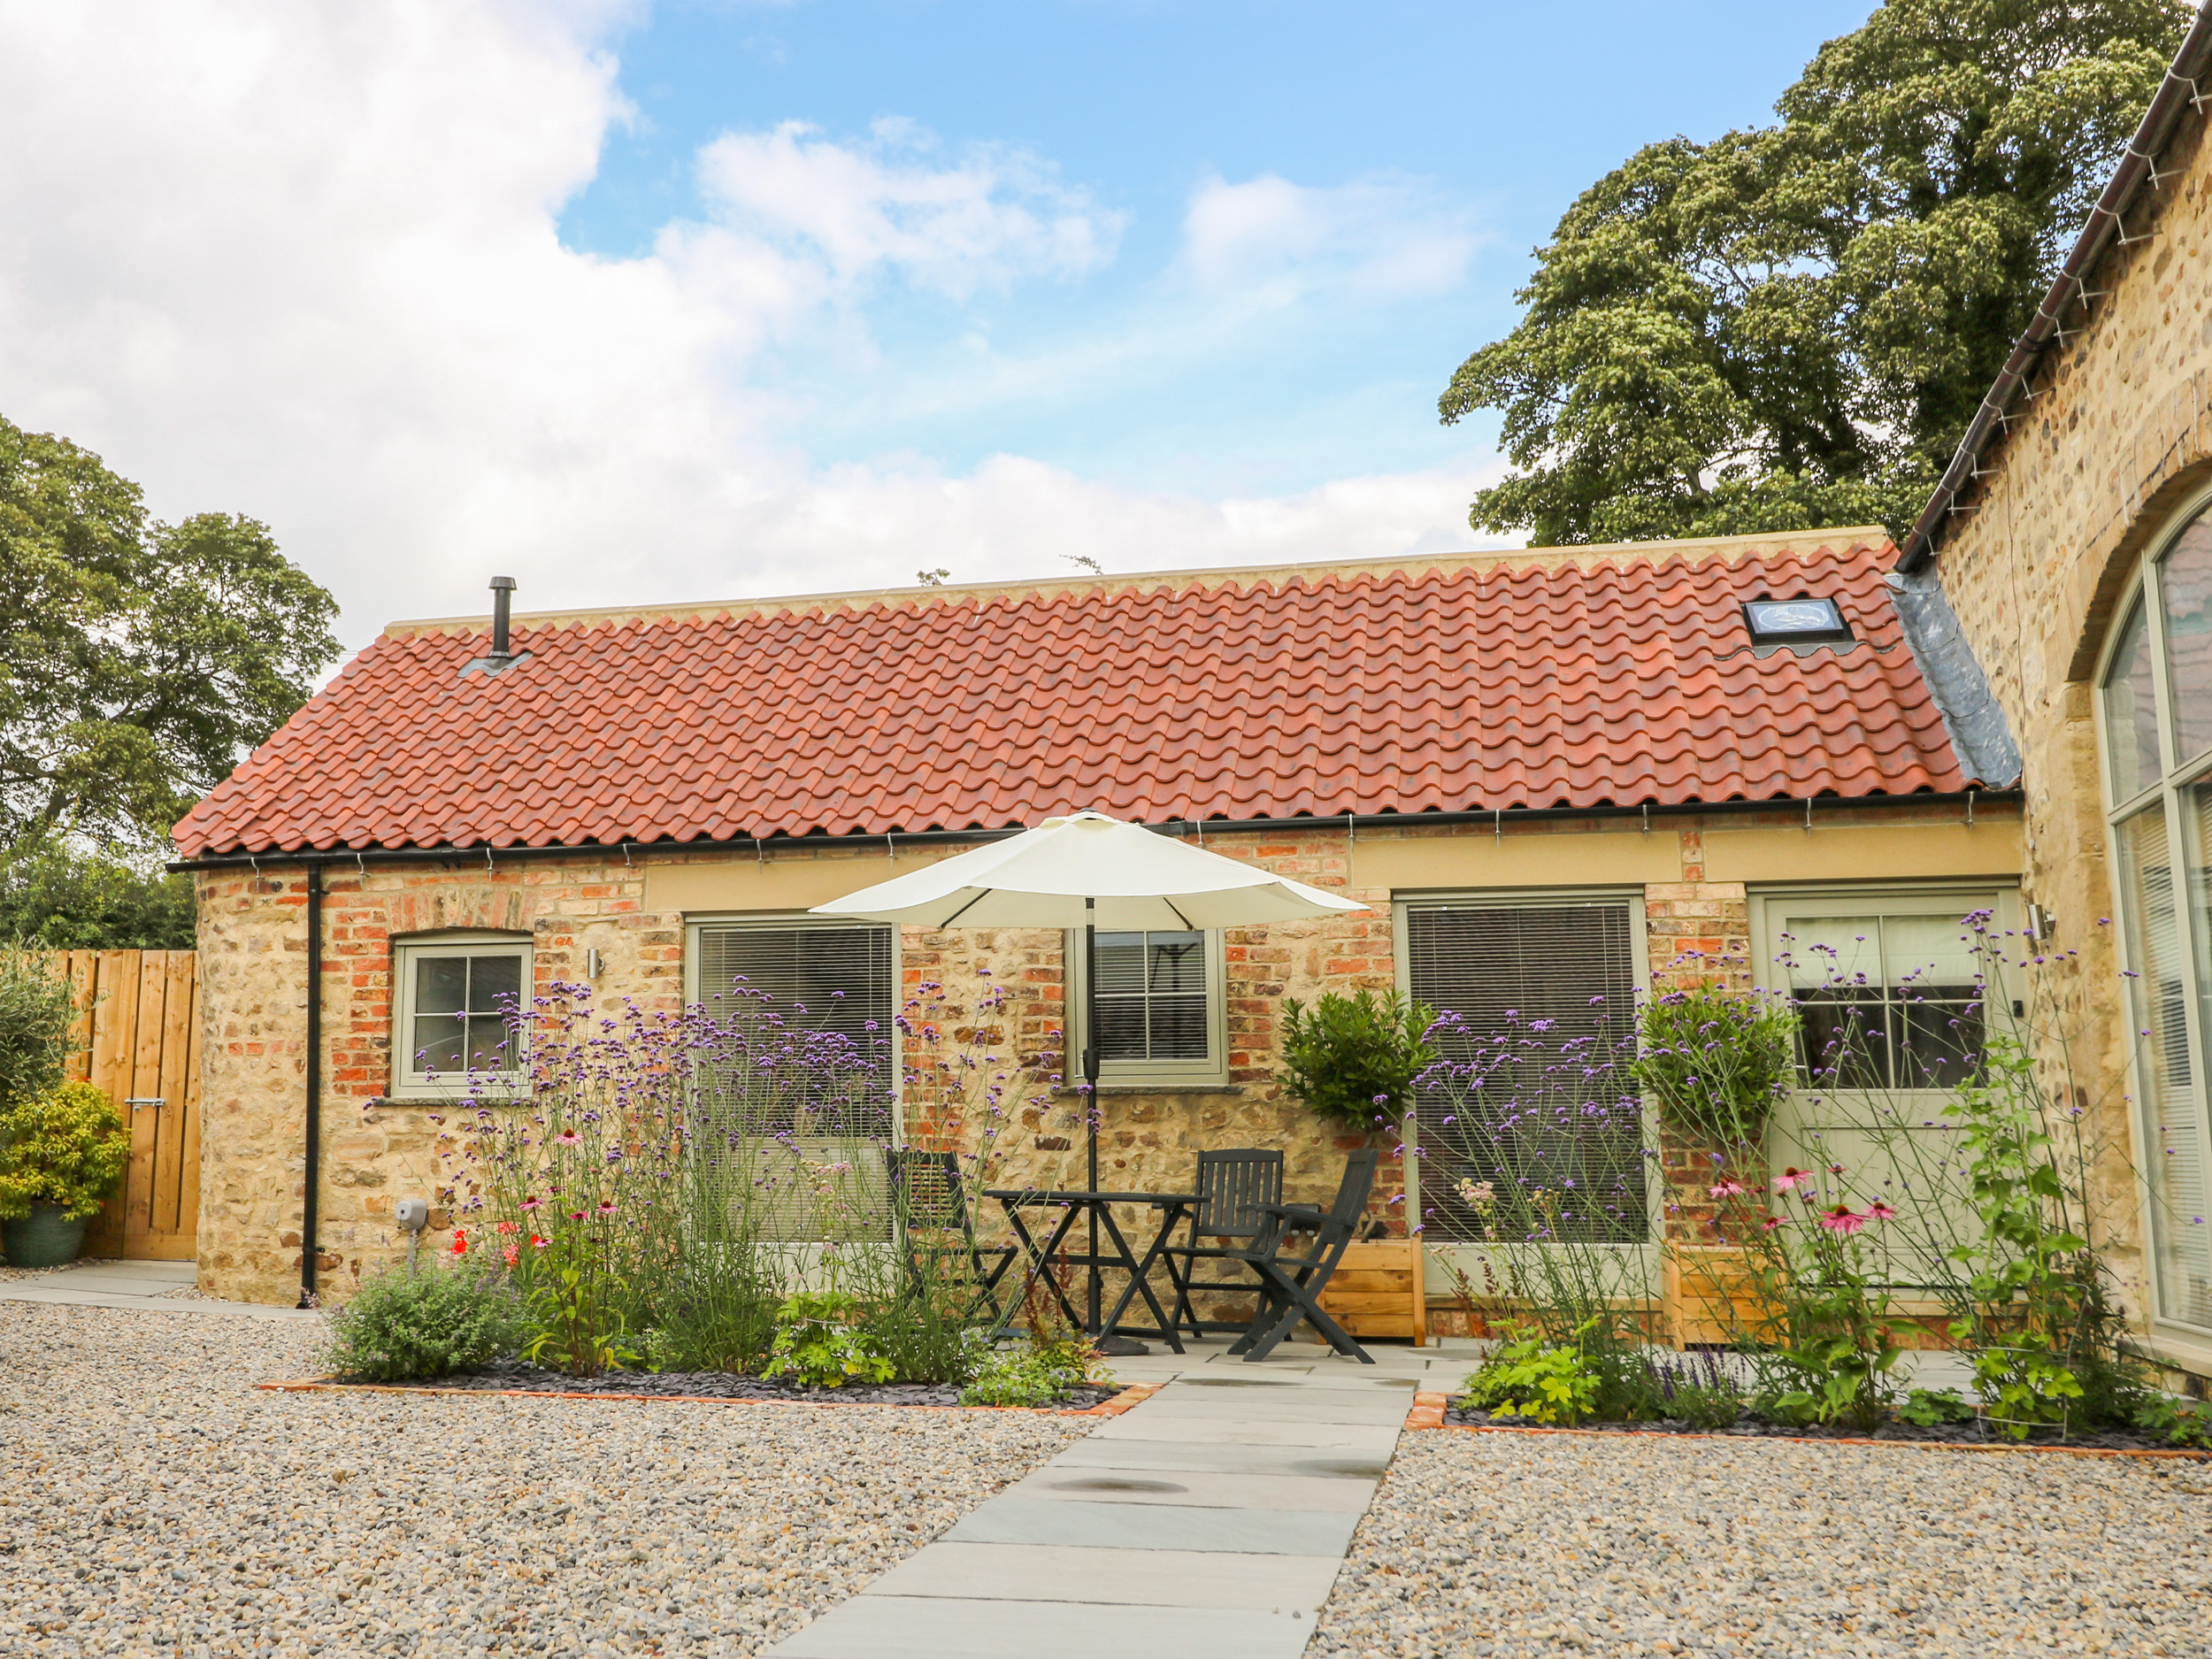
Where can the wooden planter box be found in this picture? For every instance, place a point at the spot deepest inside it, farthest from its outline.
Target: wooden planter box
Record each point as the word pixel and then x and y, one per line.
pixel 1376 1291
pixel 1710 1293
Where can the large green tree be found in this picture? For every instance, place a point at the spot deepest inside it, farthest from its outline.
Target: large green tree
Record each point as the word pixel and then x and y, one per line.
pixel 1791 326
pixel 138 659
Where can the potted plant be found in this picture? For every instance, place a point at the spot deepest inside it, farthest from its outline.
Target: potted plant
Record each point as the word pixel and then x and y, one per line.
pixel 1716 1061
pixel 1353 1059
pixel 62 1153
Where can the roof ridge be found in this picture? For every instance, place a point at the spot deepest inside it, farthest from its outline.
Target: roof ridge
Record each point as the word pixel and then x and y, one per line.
pixel 1512 560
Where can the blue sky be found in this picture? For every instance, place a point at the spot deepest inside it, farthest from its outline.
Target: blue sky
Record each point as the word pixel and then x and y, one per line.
pixel 1483 120
pixel 643 303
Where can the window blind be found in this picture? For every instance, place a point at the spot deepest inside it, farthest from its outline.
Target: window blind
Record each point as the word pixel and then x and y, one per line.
pixel 813 1096
pixel 1152 997
pixel 1531 1126
pixel 828 979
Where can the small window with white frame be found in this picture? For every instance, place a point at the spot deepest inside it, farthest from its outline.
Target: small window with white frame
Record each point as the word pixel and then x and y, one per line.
pixel 1160 1009
pixel 453 997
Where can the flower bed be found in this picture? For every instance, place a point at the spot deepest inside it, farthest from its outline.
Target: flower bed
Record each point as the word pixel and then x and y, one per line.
pixel 515 1377
pixel 513 1374
pixel 1751 1425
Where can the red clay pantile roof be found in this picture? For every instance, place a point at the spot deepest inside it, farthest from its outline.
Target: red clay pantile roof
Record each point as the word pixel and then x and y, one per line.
pixel 1554 679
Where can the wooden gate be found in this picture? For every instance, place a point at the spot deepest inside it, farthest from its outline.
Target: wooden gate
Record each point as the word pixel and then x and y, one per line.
pixel 137 1037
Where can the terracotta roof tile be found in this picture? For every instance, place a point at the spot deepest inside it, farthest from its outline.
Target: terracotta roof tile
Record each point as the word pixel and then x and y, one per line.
pixel 1463 685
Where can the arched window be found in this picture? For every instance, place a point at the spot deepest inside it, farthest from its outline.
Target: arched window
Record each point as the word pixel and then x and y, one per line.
pixel 2156 703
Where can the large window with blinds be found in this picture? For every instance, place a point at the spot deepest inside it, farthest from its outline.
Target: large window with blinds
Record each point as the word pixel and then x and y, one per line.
pixel 2155 695
pixel 808 1098
pixel 1530 1127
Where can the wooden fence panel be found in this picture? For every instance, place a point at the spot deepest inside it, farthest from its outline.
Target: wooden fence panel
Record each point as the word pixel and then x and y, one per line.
pixel 137 1040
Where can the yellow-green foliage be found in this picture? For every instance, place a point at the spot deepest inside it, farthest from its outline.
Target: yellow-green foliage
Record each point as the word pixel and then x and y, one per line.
pixel 65 1147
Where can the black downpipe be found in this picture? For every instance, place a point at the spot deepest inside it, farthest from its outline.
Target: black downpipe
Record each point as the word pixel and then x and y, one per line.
pixel 1090 1083
pixel 312 1191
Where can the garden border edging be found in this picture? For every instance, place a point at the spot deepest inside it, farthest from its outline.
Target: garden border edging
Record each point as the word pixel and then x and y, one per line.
pixel 1133 1394
pixel 1427 1412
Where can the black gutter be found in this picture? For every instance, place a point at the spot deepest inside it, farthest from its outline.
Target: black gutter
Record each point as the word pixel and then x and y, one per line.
pixel 2176 92
pixel 316 859
pixel 311 1190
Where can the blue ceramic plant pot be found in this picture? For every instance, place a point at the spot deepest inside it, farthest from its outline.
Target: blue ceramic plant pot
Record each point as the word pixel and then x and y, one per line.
pixel 45 1238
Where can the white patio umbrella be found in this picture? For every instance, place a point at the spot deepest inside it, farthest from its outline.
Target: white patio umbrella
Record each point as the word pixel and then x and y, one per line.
pixel 1089 871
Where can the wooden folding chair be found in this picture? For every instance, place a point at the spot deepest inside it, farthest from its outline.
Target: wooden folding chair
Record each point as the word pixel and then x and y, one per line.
pixel 1232 1185
pixel 928 1197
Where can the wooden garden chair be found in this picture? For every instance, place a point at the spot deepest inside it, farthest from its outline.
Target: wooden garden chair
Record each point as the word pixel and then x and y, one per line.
pixel 1232 1187
pixel 933 1210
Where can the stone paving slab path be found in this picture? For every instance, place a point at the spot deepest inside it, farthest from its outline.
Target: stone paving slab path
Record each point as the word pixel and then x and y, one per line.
pixel 1207 1523
pixel 148 1286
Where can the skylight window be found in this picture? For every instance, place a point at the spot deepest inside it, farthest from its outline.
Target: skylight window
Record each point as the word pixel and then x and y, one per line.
pixel 1799 621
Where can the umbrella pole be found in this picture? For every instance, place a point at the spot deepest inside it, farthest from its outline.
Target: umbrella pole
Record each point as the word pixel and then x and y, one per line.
pixel 1090 1083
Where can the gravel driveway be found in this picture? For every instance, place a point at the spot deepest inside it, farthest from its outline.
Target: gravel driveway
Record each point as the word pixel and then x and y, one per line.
pixel 150 1500
pixel 1507 1545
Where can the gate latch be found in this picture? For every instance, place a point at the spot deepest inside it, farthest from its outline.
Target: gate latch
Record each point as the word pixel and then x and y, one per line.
pixel 135 1101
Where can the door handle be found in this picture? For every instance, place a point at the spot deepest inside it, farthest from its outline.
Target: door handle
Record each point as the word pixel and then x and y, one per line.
pixel 135 1101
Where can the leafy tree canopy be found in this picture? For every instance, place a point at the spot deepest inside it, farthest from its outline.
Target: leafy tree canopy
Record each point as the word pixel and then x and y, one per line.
pixel 1791 326
pixel 61 898
pixel 138 659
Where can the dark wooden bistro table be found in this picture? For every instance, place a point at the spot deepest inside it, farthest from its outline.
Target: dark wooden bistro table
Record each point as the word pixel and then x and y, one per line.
pixel 1173 1209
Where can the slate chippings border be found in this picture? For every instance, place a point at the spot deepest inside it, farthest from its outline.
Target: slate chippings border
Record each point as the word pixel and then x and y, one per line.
pixel 1428 1408
pixel 1133 1394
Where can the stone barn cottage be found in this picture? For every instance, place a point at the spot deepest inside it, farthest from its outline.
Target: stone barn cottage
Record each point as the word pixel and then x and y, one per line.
pixel 2072 536
pixel 1553 775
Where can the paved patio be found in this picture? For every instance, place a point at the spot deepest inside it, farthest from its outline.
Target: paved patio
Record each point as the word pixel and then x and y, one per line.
pixel 148 1286
pixel 1208 1522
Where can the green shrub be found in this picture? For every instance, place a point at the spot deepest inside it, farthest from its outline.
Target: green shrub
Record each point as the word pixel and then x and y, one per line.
pixel 66 1147
pixel 1526 1376
pixel 1705 1406
pixel 818 1346
pixel 718 1313
pixel 405 1324
pixel 1930 1408
pixel 2182 1423
pixel 64 898
pixel 1035 1376
pixel 1716 1061
pixel 36 1008
pixel 1353 1059
pixel 1698 1389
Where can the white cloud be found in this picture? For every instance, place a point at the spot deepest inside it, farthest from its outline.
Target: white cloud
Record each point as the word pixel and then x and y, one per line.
pixel 303 262
pixel 992 217
pixel 1377 238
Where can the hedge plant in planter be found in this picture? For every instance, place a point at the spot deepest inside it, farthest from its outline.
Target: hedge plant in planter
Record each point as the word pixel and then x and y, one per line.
pixel 1717 1061
pixel 1352 1059
pixel 62 1153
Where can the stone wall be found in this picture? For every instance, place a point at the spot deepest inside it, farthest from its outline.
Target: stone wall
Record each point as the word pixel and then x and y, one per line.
pixel 2118 430
pixel 377 1150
